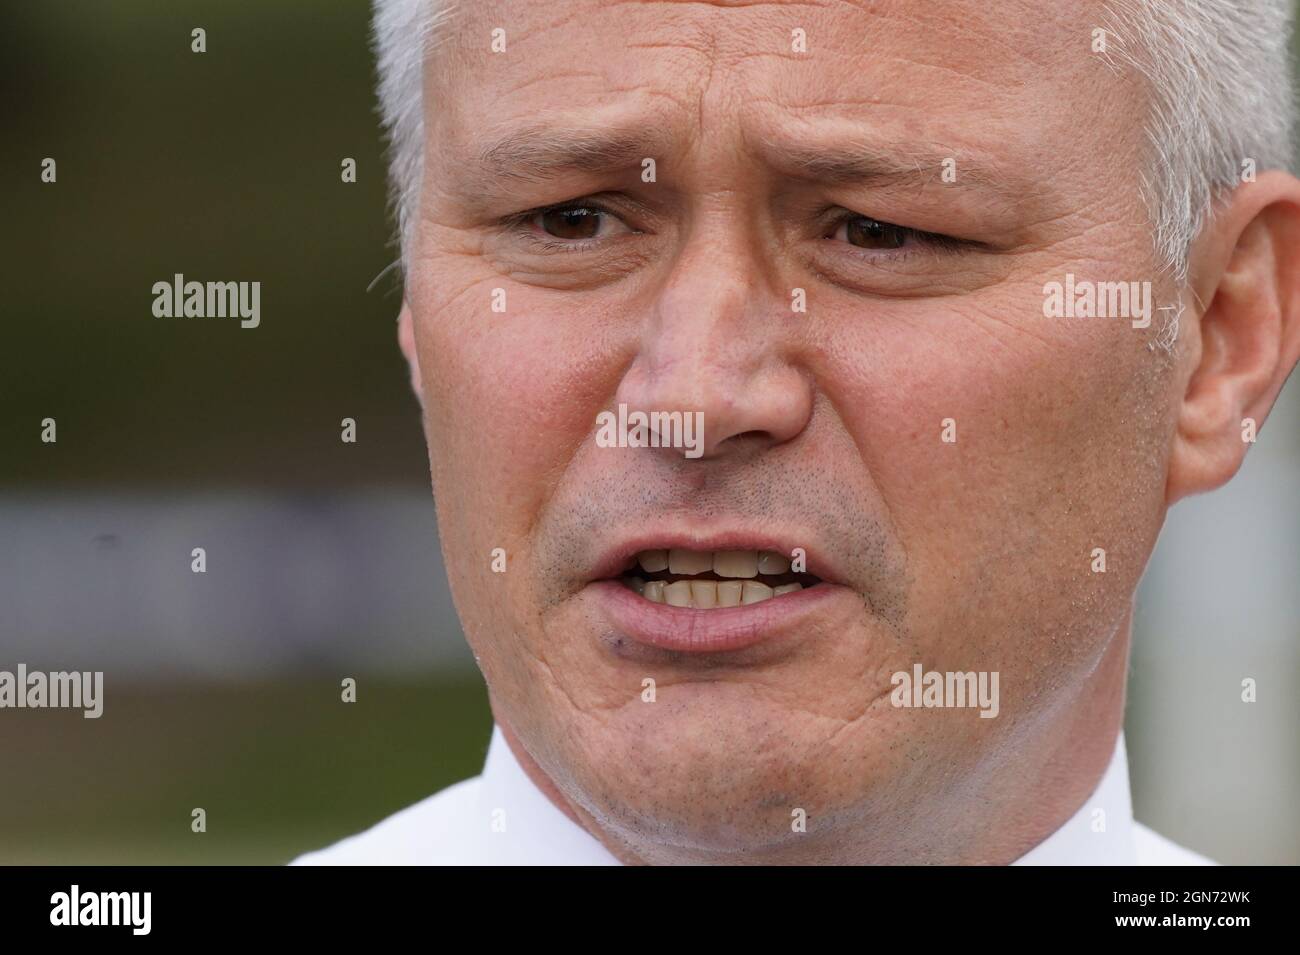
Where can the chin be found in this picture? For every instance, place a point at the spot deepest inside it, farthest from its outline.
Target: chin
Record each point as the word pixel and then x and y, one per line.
pixel 716 773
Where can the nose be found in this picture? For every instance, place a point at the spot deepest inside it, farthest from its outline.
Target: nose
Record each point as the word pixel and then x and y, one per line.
pixel 717 342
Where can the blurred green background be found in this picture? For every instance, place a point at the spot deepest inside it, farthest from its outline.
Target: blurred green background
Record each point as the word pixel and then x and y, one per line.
pixel 223 690
pixel 224 166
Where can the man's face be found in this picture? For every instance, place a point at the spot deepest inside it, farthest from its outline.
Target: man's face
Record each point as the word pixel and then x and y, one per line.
pixel 830 430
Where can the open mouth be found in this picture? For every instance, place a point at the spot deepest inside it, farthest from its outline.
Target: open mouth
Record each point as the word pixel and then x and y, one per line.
pixel 713 580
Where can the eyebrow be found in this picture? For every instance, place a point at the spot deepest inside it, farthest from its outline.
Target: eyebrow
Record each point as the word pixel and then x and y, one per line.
pixel 537 152
pixel 860 162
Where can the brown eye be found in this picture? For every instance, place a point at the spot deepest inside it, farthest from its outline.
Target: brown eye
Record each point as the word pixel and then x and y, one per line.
pixel 872 234
pixel 575 222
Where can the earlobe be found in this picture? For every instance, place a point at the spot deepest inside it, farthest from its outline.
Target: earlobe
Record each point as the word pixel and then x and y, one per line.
pixel 406 341
pixel 1247 340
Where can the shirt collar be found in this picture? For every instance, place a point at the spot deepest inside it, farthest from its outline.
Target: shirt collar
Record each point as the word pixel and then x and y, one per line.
pixel 526 828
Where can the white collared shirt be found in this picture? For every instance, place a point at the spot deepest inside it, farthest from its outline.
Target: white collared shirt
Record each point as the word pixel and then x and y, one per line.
pixel 502 818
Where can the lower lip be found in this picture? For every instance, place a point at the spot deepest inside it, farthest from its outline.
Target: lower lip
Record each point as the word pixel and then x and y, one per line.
pixel 687 630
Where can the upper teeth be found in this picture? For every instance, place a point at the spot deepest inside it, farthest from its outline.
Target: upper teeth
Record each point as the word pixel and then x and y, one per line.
pixel 740 565
pixel 724 563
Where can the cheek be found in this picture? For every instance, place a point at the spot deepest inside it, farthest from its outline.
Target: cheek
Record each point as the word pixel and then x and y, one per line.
pixel 1005 450
pixel 509 395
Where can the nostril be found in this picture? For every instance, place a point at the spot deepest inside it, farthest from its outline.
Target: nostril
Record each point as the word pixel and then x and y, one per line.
pixel 747 439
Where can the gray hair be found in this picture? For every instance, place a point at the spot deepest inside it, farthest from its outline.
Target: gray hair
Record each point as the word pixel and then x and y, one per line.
pixel 1219 76
pixel 1218 73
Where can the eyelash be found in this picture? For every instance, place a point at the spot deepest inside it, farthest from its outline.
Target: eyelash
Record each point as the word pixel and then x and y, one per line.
pixel 936 241
pixel 545 243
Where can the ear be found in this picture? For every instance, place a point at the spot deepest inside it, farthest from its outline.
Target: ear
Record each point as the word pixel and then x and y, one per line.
pixel 1237 356
pixel 406 341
